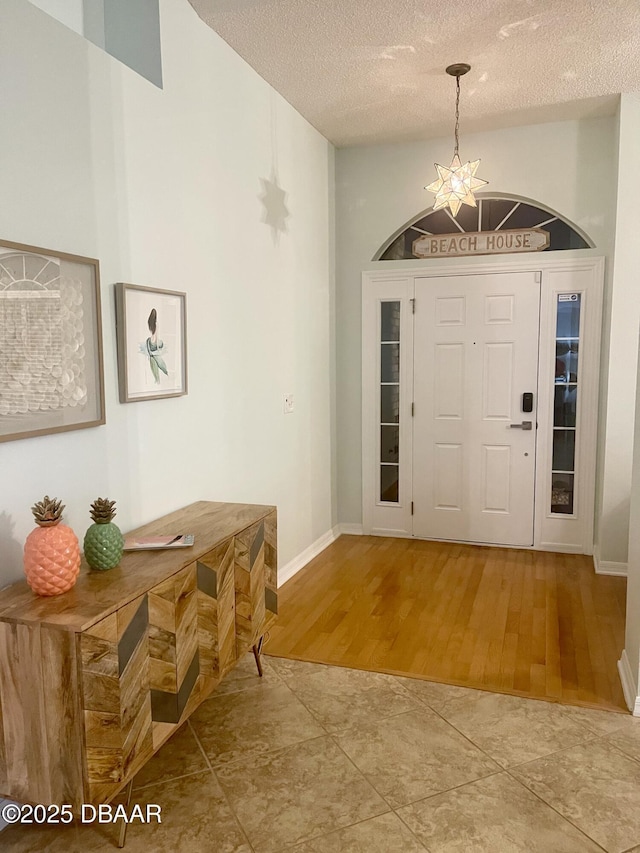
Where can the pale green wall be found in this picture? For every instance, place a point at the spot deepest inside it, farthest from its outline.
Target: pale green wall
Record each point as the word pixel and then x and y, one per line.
pixel 128 30
pixel 632 634
pixel 623 386
pixel 621 345
pixel 163 187
pixel 68 12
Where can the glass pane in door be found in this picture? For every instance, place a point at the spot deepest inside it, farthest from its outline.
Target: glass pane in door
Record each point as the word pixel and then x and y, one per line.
pixel 389 443
pixel 567 360
pixel 390 315
pixel 562 493
pixel 564 405
pixel 564 448
pixel 389 483
pixel 389 362
pixel 389 404
pixel 568 316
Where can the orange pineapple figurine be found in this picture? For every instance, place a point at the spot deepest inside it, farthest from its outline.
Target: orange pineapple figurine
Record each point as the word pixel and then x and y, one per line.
pixel 51 552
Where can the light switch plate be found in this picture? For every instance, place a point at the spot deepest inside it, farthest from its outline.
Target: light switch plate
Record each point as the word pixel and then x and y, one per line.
pixel 288 404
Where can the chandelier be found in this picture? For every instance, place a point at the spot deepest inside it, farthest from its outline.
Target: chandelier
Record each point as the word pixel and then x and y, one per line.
pixel 455 184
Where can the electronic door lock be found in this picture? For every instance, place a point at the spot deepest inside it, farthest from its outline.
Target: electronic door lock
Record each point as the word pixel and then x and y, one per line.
pixel 524 425
pixel 527 401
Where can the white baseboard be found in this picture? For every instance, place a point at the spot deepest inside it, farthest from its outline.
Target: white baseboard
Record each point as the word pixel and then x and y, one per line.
pixel 629 686
pixel 287 571
pixel 608 567
pixel 560 548
pixel 349 529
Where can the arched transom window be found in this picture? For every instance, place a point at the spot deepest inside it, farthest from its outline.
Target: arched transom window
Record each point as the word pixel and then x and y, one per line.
pixel 498 225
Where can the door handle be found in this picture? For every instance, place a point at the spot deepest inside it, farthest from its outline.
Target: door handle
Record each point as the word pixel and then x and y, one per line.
pixel 523 425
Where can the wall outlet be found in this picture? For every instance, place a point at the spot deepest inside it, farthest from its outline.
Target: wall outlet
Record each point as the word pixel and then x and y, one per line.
pixel 288 404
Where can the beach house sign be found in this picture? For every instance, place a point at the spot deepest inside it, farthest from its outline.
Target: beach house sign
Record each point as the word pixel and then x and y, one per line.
pixel 480 243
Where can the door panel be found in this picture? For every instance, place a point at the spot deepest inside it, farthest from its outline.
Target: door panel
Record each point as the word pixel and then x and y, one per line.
pixel 496 385
pixel 449 381
pixel 475 353
pixel 496 467
pixel 448 476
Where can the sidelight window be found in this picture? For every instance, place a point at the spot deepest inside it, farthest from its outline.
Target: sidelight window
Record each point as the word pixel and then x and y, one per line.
pixel 389 402
pixel 565 425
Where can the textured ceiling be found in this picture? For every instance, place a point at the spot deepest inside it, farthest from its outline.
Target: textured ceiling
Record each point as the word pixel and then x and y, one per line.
pixel 372 71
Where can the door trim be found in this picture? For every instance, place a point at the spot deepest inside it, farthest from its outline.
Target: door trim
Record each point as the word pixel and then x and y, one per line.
pixel 570 534
pixel 384 519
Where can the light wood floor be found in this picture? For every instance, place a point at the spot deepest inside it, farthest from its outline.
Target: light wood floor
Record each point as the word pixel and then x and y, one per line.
pixel 524 622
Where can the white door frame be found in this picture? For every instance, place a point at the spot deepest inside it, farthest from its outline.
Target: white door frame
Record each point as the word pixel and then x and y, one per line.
pixel 584 274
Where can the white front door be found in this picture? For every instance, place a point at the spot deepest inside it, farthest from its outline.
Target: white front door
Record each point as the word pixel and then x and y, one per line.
pixel 475 356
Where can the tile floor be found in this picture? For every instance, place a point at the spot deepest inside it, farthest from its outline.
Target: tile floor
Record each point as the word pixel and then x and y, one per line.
pixel 319 759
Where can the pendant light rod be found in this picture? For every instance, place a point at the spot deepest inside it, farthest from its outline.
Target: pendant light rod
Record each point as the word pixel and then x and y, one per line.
pixel 457 70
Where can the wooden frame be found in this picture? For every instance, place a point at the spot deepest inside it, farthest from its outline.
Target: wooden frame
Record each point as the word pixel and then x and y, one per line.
pixel 151 366
pixel 51 366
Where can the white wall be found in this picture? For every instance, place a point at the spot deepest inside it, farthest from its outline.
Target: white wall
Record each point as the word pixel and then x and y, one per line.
pixel 568 166
pixel 68 12
pixel 621 338
pixel 630 663
pixel 163 187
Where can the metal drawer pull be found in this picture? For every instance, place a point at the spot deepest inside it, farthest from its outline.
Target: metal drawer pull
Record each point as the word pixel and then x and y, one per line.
pixel 523 425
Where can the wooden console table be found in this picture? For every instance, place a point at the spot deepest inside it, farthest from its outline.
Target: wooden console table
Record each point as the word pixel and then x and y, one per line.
pixel 94 681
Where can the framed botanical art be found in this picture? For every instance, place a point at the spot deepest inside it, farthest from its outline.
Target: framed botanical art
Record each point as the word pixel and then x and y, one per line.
pixel 152 342
pixel 51 374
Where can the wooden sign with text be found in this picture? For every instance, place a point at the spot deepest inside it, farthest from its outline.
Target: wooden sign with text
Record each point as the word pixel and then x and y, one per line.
pixel 481 243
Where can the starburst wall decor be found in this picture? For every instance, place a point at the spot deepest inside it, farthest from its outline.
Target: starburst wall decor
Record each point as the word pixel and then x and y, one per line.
pixel 455 184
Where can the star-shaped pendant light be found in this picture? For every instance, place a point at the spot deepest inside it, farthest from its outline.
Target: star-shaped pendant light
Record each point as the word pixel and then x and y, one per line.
pixel 455 184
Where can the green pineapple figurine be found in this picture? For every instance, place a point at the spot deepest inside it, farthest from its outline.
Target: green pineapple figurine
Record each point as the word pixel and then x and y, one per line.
pixel 103 541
